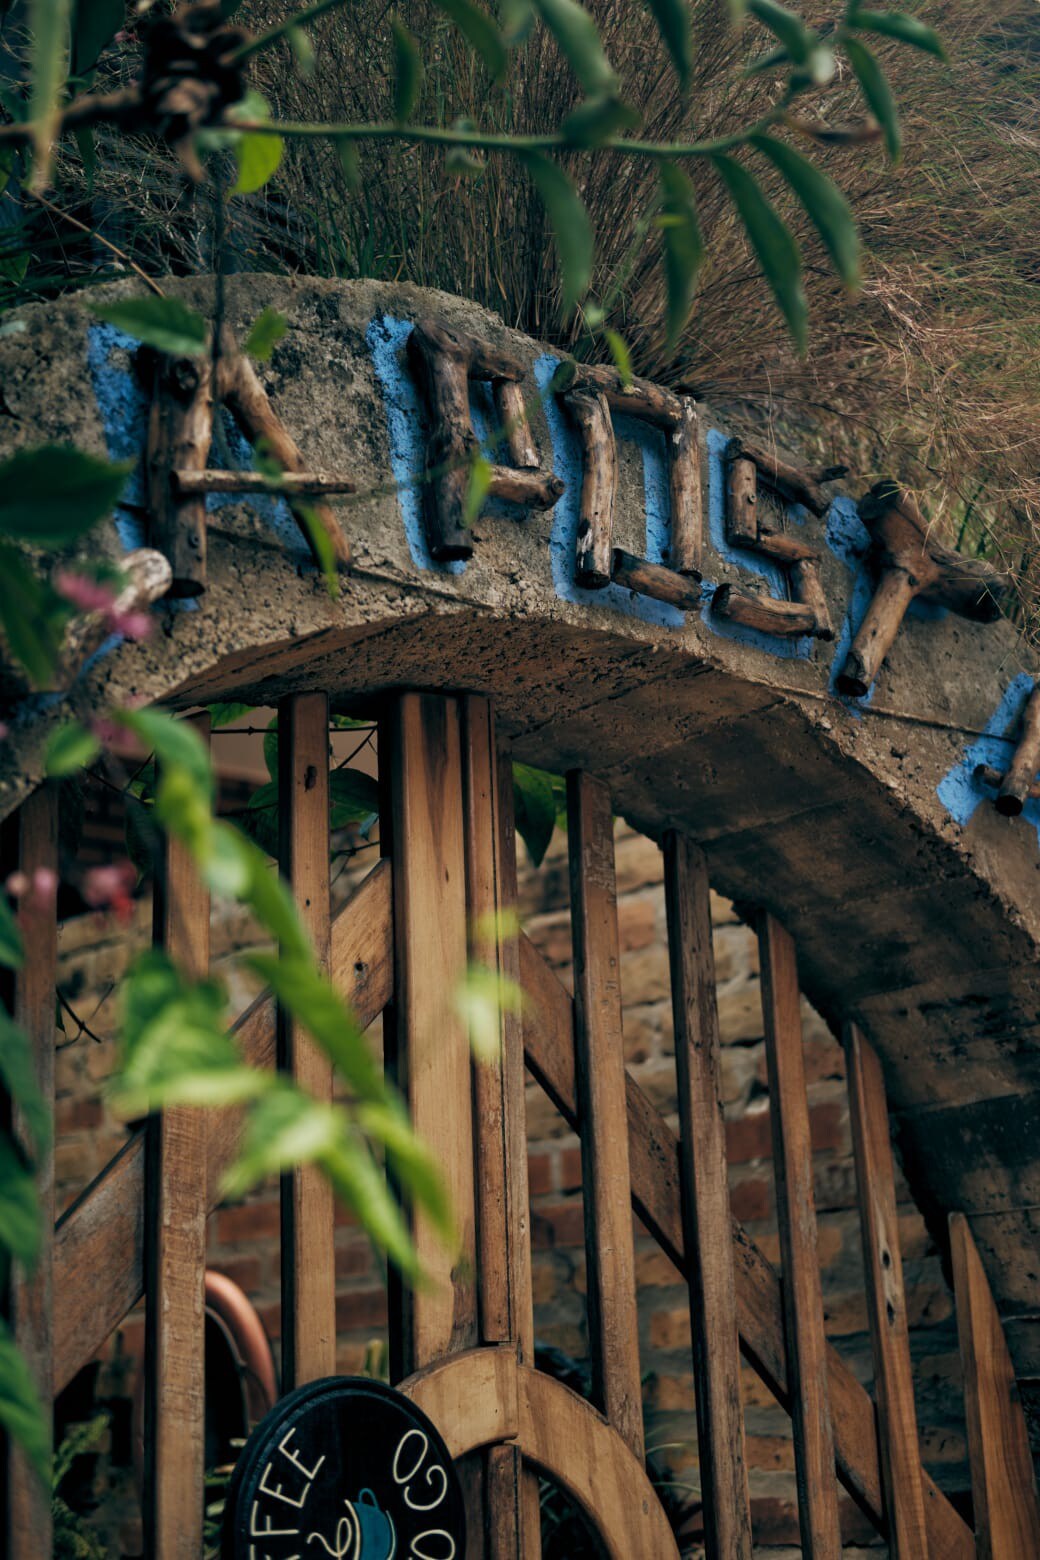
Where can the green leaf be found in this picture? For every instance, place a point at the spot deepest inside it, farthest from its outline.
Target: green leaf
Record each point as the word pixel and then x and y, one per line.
pixel 95 24
pixel 673 23
pixel 593 122
pixel 773 244
pixel 897 24
pixel 297 983
pixel 578 38
pixel 13 268
pixel 483 995
pixel 286 1128
pixel 570 223
pixel 271 748
pixel 18 1074
pixel 413 1163
pixel 303 50
pixel 792 32
pixel 360 1183
pixel 321 543
pixel 260 819
pixel 163 323
pixel 534 804
pixel 12 951
pixel 52 494
pixel 21 1413
pixel 70 748
pixel 265 333
pixel 827 207
pixel 354 797
pixel 19 1205
pixel 175 744
pixel 48 38
pixel 349 162
pixel 877 93
pixel 31 616
pixel 258 155
pixel 620 353
pixel 227 714
pixel 683 248
pixel 408 72
pixel 477 488
pixel 480 32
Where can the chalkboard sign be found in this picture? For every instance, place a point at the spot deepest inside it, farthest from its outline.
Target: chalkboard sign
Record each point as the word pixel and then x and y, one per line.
pixel 345 1467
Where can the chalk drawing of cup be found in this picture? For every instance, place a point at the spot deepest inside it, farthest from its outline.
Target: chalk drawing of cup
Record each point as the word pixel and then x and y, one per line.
pixel 378 1538
pixel 346 1542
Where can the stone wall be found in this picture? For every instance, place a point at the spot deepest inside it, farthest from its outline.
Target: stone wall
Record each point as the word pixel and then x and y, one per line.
pixel 244 1237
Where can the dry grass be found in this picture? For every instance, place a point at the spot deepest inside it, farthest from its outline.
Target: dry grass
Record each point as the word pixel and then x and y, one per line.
pixel 932 373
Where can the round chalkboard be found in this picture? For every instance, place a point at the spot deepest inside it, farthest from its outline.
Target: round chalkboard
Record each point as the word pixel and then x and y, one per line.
pixel 344 1467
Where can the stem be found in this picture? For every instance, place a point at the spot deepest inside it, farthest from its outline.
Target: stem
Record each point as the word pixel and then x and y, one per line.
pixel 272 35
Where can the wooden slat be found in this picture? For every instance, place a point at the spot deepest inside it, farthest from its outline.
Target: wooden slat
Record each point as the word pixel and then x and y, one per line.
pixel 503 1234
pixel 31 845
pixel 705 1201
pixel 308 1212
pixel 657 1198
pixel 886 1301
pixel 175 1228
pixel 1003 1483
pixel 427 1045
pixel 610 1252
pixel 796 1221
pixel 99 1240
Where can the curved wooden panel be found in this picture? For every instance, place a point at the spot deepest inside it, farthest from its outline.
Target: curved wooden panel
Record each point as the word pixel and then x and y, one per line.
pixel 483 1396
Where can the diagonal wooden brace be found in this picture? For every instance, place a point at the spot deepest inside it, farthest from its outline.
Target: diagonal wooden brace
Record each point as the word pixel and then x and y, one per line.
pixel 1019 785
pixel 912 564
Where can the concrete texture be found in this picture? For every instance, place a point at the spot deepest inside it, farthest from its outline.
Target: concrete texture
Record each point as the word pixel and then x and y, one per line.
pixel 915 907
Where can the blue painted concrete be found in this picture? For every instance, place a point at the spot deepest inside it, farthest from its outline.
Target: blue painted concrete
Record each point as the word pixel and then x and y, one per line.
pixel 959 791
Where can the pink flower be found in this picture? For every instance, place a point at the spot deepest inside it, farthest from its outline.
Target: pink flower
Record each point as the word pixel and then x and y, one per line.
pixel 3 730
pixel 111 888
pixel 132 625
pixel 44 889
pixel 17 885
pixel 106 731
pixel 85 593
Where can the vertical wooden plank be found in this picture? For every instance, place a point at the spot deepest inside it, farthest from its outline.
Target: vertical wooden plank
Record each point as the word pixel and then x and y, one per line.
pixel 504 1251
pixel 308 1255
pixel 175 1233
pixel 603 1123
pixel 1003 1483
pixel 428 1047
pixel 31 846
pixel 796 1219
pixel 707 1231
pixel 886 1301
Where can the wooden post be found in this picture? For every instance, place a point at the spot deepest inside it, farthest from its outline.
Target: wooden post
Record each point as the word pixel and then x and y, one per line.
pixel 308 1255
pixel 503 1223
pixel 886 1301
pixel 684 481
pixel 796 1220
pixel 594 553
pixel 441 365
pixel 877 633
pixel 786 619
pixel 512 412
pixel 742 502
pixel 427 1045
pixel 1003 1482
pixel 180 429
pixel 599 1042
pixel 707 1238
pixel 31 845
pixel 1018 783
pixel 654 580
pixel 175 1233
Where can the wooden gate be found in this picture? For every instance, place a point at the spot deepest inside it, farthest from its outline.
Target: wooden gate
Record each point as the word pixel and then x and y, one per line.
pixel 463 1347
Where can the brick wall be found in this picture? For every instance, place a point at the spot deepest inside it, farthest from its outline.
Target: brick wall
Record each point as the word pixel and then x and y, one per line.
pixel 244 1237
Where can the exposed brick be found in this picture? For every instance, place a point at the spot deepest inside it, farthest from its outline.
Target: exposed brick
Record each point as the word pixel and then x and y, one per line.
pixel 770 1453
pixel 637 928
pixel 749 1137
pixel 75 1115
pixel 560 1224
pixel 667 1394
pixel 246 1272
pixel 570 1169
pixel 751 1199
pixel 353 1259
pixel 360 1308
pixel 644 974
pixel 654 1269
pixel 539 1174
pixel 248 1221
pixel 671 1329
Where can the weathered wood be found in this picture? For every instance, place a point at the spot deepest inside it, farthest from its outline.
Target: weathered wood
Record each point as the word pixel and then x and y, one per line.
pixel 99 1240
pixel 912 563
pixel 807 588
pixel 785 548
pixel 483 360
pixel 796 1221
pixel 594 551
pixel 600 1056
pixel 30 845
pixel 886 1301
pixel 149 576
pixel 657 1198
pixel 250 405
pixel 742 502
pixel 512 414
pixel 792 484
pixel 786 619
pixel 442 370
pixel 175 1257
pixel 686 542
pixel 637 397
pixel 180 430
pixel 996 777
pixel 1020 779
pixel 536 489
pixel 705 1205
pixel 1003 1481
pixel 307 1254
pixel 294 484
pixel 653 579
pixel 427 1045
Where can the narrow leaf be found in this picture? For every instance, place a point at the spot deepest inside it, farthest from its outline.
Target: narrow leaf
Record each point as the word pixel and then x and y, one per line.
pixel 772 242
pixel 683 247
pixel 827 207
pixel 12 953
pixel 897 24
pixel 21 1412
pixel 534 806
pixel 792 32
pixel 877 93
pixel 19 1207
pixel 49 36
pixel 673 23
pixel 258 155
pixel 620 353
pixel 578 38
pixel 570 223
pixel 163 323
pixel 72 747
pixel 265 333
pixel 477 489
pixel 597 119
pixel 18 1075
pixel 31 617
pixel 53 494
pixel 227 714
pixel 408 73
pixel 480 32
pixel 95 25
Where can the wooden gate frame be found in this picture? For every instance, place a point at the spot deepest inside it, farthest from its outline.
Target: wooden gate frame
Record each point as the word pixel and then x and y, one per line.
pixel 445 892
